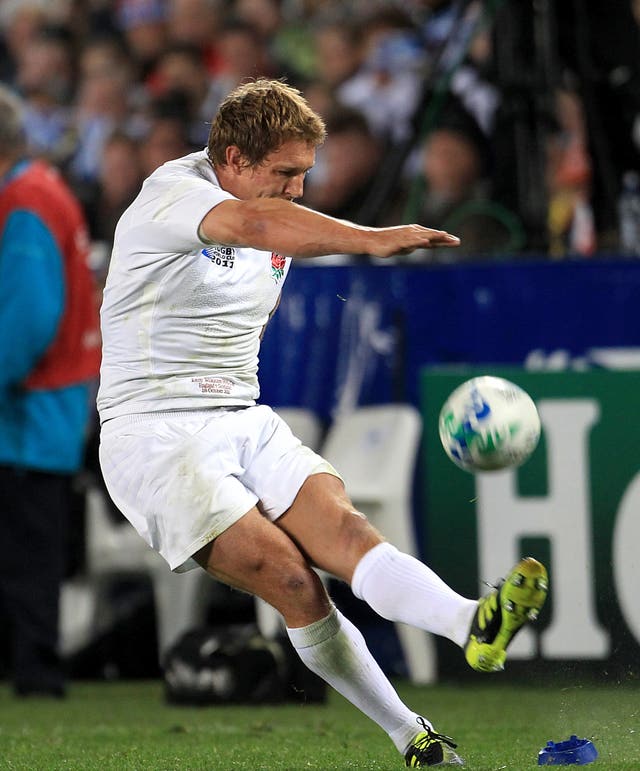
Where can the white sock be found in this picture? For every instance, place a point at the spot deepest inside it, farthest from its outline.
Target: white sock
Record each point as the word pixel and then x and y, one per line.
pixel 401 588
pixel 336 651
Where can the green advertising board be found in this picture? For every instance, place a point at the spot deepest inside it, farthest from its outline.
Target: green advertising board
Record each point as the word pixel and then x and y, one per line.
pixel 575 504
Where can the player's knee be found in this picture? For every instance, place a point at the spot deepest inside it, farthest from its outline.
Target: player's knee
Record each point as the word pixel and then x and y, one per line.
pixel 356 534
pixel 296 586
pixel 297 580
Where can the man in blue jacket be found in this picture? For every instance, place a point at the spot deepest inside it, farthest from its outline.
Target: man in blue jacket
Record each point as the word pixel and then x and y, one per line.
pixel 49 353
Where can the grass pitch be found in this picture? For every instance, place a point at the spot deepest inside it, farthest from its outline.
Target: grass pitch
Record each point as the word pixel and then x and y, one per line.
pixel 126 726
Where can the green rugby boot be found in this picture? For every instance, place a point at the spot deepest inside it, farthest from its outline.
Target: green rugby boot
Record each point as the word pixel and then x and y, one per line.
pixel 502 613
pixel 431 749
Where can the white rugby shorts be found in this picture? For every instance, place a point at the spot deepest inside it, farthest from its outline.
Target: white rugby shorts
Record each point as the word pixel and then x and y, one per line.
pixel 181 478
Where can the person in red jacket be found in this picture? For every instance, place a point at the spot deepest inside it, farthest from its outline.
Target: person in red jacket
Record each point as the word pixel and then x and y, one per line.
pixel 49 354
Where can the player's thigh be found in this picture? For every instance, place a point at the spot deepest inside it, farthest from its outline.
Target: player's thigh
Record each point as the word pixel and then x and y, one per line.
pixel 174 476
pixel 275 462
pixel 324 523
pixel 256 556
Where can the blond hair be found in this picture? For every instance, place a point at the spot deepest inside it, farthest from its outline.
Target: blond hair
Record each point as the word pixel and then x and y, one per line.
pixel 259 117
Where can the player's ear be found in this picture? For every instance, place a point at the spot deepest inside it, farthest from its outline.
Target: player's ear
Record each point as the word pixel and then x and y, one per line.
pixel 236 162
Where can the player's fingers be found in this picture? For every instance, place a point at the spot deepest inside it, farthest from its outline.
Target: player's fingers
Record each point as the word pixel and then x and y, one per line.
pixel 442 238
pixel 429 238
pixel 434 242
pixel 451 241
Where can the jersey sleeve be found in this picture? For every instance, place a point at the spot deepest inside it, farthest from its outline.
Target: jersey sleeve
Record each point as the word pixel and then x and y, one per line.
pixel 170 213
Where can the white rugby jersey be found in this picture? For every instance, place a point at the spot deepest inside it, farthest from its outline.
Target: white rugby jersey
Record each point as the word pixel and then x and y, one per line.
pixel 181 318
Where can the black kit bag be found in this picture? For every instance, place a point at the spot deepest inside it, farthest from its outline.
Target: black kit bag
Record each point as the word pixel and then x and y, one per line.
pixel 235 664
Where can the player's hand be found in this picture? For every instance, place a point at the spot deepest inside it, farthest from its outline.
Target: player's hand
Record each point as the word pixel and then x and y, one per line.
pixel 404 239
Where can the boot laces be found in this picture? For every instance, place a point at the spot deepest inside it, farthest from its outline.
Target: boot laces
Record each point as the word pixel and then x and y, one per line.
pixel 424 741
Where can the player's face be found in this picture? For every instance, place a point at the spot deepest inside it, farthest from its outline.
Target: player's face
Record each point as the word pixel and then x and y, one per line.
pixel 281 174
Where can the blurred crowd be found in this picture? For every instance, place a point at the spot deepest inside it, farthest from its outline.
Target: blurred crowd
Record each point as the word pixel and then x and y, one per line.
pixel 426 110
pixel 509 123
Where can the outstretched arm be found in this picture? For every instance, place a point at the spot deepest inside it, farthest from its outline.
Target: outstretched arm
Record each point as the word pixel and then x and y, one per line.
pixel 277 225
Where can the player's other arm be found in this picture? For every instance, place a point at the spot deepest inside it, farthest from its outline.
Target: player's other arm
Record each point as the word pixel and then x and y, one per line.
pixel 274 224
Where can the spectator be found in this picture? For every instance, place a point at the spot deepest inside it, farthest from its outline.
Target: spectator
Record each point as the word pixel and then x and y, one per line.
pixel 455 164
pixel 457 42
pixel 165 140
pixel 244 55
pixel 454 167
pixel 338 52
pixel 118 183
pixel 569 176
pixel 180 71
pixel 105 102
pixel 346 164
pixel 197 23
pixel 21 21
pixel 288 44
pixel 49 351
pixel 378 71
pixel 264 15
pixel 144 26
pixel 45 78
pixel 241 54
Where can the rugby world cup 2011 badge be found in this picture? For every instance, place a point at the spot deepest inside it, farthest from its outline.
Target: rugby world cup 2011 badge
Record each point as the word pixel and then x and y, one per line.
pixel 278 263
pixel 223 256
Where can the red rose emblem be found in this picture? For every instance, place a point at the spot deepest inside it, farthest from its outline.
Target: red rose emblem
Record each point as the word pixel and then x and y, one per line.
pixel 277 261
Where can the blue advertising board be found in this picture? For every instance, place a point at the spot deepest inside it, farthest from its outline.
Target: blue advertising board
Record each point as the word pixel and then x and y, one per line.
pixel 359 334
